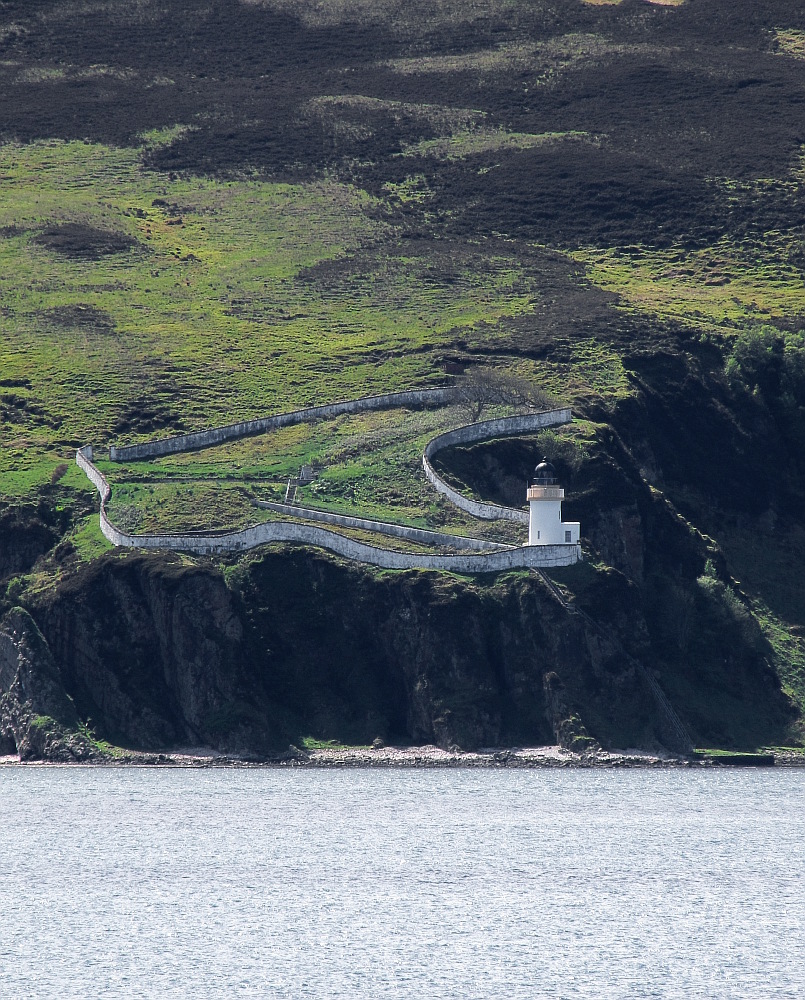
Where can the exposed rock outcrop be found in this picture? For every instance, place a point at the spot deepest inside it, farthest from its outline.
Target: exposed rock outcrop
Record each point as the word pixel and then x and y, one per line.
pixel 568 729
pixel 25 537
pixel 159 651
pixel 38 719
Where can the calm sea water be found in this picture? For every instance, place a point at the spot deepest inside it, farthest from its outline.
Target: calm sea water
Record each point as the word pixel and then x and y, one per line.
pixel 408 884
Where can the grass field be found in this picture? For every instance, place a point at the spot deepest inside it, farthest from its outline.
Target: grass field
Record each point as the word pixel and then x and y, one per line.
pixel 365 465
pixel 137 304
pixel 209 315
pixel 719 289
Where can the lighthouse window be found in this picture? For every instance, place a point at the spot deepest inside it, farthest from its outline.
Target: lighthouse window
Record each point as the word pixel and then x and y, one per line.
pixel 567 536
pixel 537 534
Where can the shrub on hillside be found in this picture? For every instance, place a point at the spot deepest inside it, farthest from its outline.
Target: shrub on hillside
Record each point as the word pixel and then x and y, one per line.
pixel 769 363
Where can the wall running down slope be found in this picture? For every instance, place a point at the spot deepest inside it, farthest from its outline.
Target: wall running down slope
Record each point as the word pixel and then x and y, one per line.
pixel 383 527
pixel 230 432
pixel 483 431
pixel 486 556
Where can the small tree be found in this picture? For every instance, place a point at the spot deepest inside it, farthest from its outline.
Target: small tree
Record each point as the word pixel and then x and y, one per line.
pixel 484 386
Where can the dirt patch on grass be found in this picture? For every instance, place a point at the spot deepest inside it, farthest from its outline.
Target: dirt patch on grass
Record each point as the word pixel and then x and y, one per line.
pixel 73 239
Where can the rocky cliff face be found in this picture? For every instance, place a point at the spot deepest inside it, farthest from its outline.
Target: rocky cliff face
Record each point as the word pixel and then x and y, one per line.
pixel 38 718
pixel 159 651
pixel 676 459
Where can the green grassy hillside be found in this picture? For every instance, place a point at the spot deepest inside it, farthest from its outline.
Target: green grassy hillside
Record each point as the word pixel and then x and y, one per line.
pixel 211 211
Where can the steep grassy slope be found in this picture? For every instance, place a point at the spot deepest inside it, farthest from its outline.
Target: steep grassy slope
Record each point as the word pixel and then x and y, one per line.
pixel 213 210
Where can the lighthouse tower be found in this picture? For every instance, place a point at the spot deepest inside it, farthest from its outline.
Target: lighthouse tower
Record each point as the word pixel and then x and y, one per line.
pixel 545 524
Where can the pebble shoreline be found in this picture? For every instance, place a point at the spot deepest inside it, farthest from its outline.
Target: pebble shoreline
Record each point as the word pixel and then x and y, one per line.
pixel 402 757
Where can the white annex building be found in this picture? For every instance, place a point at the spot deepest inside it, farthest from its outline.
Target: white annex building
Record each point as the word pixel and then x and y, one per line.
pixel 545 524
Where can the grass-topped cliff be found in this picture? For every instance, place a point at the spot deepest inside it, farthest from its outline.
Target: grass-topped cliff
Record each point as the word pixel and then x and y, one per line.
pixel 213 211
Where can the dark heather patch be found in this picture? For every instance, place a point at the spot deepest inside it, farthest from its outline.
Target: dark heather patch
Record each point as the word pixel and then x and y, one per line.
pixel 81 316
pixel 73 239
pixel 146 415
pixel 692 88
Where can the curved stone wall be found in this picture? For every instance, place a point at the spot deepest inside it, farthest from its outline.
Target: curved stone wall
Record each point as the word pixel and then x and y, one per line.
pixel 230 432
pixel 83 459
pixel 384 527
pixel 487 557
pixel 500 427
pixel 528 556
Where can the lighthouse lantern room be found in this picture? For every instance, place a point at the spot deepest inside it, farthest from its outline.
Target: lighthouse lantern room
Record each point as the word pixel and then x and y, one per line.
pixel 545 524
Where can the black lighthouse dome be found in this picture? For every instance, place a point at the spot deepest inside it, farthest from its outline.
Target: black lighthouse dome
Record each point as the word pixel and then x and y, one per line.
pixel 544 474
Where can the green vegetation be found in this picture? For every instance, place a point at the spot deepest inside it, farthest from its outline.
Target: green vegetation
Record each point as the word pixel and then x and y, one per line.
pixel 218 282
pixel 108 750
pixel 43 722
pixel 720 289
pixel 88 539
pixel 15 588
pixel 219 211
pixel 788 655
pixel 770 364
pixel 312 743
pixel 363 465
pixel 47 728
pixel 225 303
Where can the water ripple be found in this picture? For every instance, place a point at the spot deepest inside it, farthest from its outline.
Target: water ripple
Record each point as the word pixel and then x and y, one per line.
pixel 125 883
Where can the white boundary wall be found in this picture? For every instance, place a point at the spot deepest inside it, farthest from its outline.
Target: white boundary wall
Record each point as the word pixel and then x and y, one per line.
pixel 83 459
pixel 487 429
pixel 528 556
pixel 216 435
pixel 385 527
pixel 487 557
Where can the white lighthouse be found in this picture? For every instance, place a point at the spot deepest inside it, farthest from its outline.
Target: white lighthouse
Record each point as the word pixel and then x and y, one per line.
pixel 545 524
